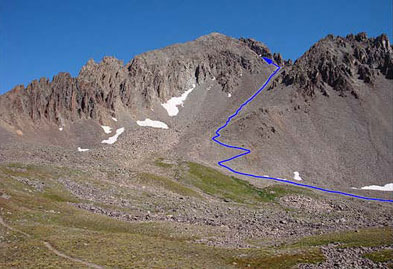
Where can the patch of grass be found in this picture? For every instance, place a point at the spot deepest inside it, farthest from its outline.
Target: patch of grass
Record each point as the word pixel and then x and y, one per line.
pixel 57 193
pixel 28 171
pixel 385 255
pixel 280 260
pixel 139 251
pixel 166 183
pixel 57 197
pixel 31 253
pixel 220 185
pixel 161 163
pixel 273 192
pixel 365 237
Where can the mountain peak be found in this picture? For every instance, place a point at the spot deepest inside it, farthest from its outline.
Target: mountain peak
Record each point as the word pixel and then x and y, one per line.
pixel 213 36
pixel 337 61
pixel 150 78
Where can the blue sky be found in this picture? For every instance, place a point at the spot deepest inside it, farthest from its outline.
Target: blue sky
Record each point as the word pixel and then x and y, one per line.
pixel 40 38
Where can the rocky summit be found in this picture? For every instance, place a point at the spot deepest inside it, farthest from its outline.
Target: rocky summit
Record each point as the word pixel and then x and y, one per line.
pixel 337 62
pixel 104 88
pixel 116 168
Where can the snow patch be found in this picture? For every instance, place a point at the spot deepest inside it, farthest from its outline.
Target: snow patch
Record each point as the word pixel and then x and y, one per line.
pixel 60 128
pixel 229 95
pixel 113 139
pixel 171 104
pixel 214 78
pixel 114 119
pixel 384 43
pixel 387 187
pixel 82 150
pixel 296 176
pixel 107 129
pixel 152 123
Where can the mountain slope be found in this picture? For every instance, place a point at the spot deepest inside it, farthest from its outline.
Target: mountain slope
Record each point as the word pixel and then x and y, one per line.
pixel 327 116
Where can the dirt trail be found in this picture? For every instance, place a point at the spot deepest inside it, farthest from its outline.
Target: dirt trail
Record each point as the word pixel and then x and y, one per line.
pixel 11 228
pixel 60 254
pixel 51 248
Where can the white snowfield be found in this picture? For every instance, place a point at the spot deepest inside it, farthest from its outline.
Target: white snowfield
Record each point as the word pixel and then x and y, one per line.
pixel 114 119
pixel 61 128
pixel 113 139
pixel 386 187
pixel 82 150
pixel 171 104
pixel 107 129
pixel 296 176
pixel 152 123
pixel 229 95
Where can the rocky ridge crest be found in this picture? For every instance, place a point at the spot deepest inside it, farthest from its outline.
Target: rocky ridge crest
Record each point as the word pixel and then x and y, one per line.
pixel 155 76
pixel 338 62
pixel 101 89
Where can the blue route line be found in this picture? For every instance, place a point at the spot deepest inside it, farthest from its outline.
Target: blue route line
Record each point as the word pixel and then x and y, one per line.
pixel 247 151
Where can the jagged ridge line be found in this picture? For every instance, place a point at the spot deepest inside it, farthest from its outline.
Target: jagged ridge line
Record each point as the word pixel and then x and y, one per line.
pixel 247 151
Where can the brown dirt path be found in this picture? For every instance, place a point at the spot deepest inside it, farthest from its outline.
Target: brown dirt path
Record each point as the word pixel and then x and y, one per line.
pixel 51 248
pixel 60 254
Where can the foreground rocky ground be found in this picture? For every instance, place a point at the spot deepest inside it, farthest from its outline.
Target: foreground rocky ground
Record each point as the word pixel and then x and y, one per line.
pixel 187 213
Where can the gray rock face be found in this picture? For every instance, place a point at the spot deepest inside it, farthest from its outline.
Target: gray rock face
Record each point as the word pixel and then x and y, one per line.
pixel 101 88
pixel 263 51
pixel 338 61
pixel 329 113
pixel 257 46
